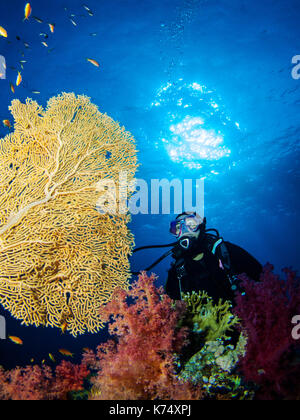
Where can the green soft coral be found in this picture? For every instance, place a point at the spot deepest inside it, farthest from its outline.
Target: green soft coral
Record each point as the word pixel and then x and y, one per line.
pixel 211 361
pixel 213 320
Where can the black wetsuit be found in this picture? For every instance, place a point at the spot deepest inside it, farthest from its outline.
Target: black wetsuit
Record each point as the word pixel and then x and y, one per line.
pixel 193 271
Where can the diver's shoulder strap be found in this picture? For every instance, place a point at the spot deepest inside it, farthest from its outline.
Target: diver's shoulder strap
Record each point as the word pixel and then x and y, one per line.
pixel 220 249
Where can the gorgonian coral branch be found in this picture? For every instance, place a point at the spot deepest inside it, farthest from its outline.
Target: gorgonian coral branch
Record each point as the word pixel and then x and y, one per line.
pixel 60 258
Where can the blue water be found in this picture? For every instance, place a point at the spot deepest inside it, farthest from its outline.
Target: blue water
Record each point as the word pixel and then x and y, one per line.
pixel 164 63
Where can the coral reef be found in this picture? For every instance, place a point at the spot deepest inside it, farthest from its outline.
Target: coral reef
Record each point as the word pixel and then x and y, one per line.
pixel 60 258
pixel 213 321
pixel 210 362
pixel 140 364
pixel 150 333
pixel 39 383
pixel 213 368
pixel 266 310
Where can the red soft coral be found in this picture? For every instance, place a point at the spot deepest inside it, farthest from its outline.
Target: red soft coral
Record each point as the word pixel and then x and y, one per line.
pixel 28 383
pixel 266 310
pixel 39 383
pixel 69 377
pixel 140 364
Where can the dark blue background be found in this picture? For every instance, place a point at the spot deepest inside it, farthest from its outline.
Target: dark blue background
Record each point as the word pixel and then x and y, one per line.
pixel 151 52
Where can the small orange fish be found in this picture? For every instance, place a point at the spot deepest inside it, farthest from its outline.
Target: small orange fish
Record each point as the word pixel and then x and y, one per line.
pixel 94 62
pixel 28 10
pixel 45 44
pixel 6 123
pixel 16 340
pixel 65 352
pixel 63 327
pixel 19 79
pixel 51 26
pixel 3 32
pixel 12 88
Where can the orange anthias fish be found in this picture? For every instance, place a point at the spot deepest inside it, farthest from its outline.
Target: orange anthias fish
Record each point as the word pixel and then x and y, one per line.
pixel 19 79
pixel 3 32
pixel 12 88
pixel 94 62
pixel 6 123
pixel 28 10
pixel 64 327
pixel 51 26
pixel 16 340
pixel 65 352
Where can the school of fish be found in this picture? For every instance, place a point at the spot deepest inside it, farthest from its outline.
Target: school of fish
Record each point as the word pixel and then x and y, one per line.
pixel 27 15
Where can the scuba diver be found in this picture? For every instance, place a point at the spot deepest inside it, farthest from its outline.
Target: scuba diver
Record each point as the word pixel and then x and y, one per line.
pixel 204 261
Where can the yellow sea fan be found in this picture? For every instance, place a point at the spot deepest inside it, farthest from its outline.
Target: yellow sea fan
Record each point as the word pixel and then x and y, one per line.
pixel 214 320
pixel 60 259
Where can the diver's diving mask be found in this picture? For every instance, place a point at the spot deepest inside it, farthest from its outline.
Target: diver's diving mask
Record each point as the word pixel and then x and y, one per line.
pixel 186 224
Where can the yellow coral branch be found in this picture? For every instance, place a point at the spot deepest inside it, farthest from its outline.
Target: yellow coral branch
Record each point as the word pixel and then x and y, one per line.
pixel 58 255
pixel 16 218
pixel 15 245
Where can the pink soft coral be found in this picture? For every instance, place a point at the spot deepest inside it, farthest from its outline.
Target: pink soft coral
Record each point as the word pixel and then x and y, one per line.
pixel 68 377
pixel 28 383
pixel 39 383
pixel 266 310
pixel 140 363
